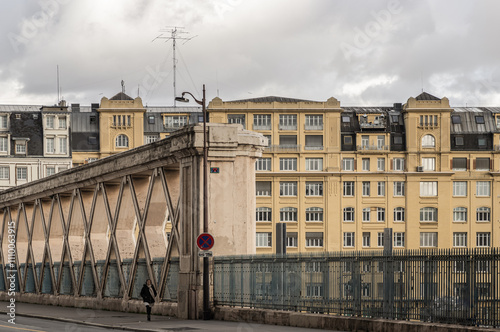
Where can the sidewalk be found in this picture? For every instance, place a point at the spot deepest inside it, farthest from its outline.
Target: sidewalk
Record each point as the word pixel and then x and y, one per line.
pixel 134 322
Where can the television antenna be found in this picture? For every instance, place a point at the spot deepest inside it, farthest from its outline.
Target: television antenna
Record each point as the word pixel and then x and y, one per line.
pixel 174 33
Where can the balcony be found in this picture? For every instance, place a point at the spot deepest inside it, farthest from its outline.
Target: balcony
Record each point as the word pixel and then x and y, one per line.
pixel 377 123
pixel 313 127
pixel 283 148
pixel 313 147
pixel 262 127
pixel 373 148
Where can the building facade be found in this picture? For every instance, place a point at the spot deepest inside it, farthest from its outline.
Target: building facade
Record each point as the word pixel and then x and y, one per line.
pixel 122 123
pixel 34 142
pixel 338 176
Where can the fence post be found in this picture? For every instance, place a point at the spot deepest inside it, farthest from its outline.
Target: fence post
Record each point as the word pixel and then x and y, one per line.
pixel 388 302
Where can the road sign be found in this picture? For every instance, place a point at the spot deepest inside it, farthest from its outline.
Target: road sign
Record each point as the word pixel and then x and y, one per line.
pixel 214 170
pixel 205 241
pixel 205 253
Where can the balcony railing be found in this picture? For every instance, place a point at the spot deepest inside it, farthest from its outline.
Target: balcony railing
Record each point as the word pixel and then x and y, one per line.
pixel 313 127
pixel 372 147
pixel 287 127
pixel 310 147
pixel 262 127
pixel 283 148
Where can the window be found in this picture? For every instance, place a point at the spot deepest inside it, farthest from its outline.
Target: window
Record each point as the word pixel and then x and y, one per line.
pixel 288 164
pixel 399 239
pixel 480 119
pixel 62 122
pixel 366 164
pixel 380 214
pixel 314 142
pixel 288 141
pixel 429 164
pixel 63 145
pixel 314 188
pixel 366 188
pixel 348 164
pixel 51 171
pixel 22 173
pixel 4 124
pixel 399 188
pixel 236 118
pixel 288 122
pixel 4 144
pixel 346 119
pixel 349 214
pixel 483 188
pixel 380 188
pixel 459 239
pixel 314 122
pixel 428 120
pixel 315 290
pixel 21 147
pixel 349 239
pixel 263 164
pixel 398 140
pixel 365 142
pixel 459 164
pixel 483 164
pixel 428 188
pixel 314 164
pixel 380 240
pixel 428 239
pixel 49 122
pixel 348 140
pixel 366 214
pixel 288 188
pixel 121 141
pixel 263 214
pixel 428 141
pixel 264 239
pixel 460 214
pixel 151 119
pixel 380 164
pixel 4 172
pixel 176 121
pixel 92 119
pixel 483 214
pixel 459 140
pixel 291 239
pixel 428 214
pixel 263 188
pixel 483 239
pixel 366 239
pixel 398 164
pixel 455 119
pixel 459 188
pixel 314 214
pixel 380 142
pixel 314 239
pixel 399 214
pixel 262 122
pixel 288 214
pixel 348 188
pixel 50 145
pixel 151 139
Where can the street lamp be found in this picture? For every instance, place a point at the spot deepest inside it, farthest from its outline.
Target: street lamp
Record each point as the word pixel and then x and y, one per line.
pixel 206 280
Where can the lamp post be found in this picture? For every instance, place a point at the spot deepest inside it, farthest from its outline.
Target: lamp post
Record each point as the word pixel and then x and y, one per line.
pixel 206 280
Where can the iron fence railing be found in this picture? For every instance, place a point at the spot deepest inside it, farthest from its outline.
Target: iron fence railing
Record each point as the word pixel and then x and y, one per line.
pixel 458 286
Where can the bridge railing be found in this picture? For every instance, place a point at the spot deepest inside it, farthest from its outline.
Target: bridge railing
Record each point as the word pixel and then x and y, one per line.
pixel 447 286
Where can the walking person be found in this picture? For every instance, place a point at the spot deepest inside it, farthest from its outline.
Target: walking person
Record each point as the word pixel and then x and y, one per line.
pixel 148 293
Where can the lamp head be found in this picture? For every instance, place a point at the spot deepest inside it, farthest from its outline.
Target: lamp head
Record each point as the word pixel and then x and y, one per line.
pixel 182 99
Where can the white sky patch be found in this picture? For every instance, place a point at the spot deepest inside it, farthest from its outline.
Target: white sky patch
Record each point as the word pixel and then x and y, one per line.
pixel 356 89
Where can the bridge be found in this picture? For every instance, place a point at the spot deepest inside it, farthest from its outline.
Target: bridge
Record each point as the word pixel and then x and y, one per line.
pixel 90 236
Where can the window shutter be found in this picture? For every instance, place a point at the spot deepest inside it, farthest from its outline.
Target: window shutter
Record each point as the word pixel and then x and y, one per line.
pixel 474 164
pixel 391 164
pixel 468 163
pixel 355 164
pixel 491 164
pixel 451 164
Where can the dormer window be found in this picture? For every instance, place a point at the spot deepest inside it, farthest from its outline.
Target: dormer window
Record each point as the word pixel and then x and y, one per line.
pixel 456 119
pixel 480 119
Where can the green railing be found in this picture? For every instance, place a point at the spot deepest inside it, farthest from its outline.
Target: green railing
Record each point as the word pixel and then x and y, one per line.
pixel 447 286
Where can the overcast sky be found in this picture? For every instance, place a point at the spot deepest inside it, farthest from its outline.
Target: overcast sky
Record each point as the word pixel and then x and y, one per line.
pixel 362 52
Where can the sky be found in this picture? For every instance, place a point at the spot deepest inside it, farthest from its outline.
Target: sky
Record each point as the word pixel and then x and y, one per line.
pixel 362 52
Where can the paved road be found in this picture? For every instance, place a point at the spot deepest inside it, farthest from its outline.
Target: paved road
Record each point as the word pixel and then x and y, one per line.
pixel 46 318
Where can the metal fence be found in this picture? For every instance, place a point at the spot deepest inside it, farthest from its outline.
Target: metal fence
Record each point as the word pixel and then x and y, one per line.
pixel 458 286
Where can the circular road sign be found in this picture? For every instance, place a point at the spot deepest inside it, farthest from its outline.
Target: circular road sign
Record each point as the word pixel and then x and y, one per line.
pixel 205 241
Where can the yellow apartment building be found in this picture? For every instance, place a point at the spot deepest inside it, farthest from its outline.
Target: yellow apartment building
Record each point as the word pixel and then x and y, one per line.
pixel 338 176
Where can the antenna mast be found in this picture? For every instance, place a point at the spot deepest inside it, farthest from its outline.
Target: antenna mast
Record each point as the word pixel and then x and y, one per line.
pixel 175 34
pixel 58 88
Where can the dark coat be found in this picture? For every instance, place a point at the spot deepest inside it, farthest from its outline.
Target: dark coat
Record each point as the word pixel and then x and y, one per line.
pixel 146 295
